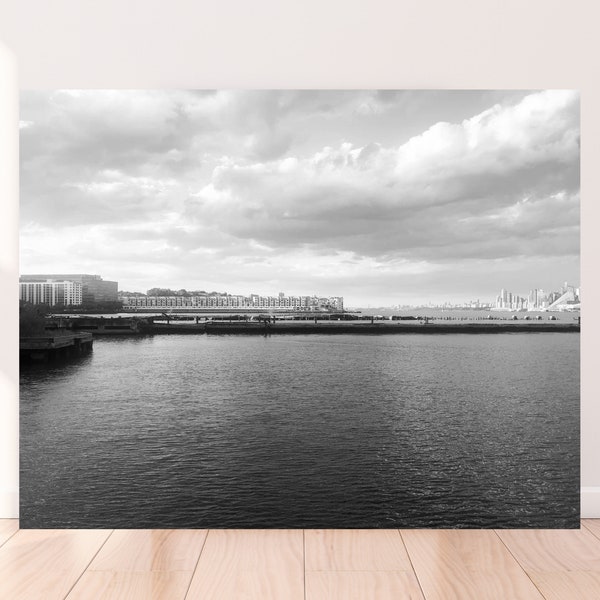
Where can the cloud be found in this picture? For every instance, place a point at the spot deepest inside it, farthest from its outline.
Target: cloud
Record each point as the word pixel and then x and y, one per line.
pixel 72 139
pixel 503 183
pixel 299 188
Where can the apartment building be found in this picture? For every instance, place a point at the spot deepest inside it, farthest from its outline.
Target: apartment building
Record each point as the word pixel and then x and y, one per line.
pixel 94 288
pixel 53 293
pixel 229 301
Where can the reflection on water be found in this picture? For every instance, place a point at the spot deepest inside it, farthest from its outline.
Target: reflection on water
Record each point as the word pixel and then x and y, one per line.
pixel 305 431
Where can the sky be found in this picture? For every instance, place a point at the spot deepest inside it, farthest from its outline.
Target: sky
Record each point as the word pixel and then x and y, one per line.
pixel 382 197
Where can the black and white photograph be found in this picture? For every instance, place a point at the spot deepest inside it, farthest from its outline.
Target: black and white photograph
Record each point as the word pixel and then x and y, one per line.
pixel 299 309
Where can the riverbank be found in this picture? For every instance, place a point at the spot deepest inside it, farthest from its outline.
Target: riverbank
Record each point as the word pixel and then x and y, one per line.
pixel 137 326
pixel 384 327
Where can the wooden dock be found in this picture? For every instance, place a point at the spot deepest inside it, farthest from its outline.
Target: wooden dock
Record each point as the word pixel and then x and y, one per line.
pixel 54 347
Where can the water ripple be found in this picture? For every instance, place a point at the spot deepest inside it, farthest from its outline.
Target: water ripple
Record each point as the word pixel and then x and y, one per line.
pixel 305 431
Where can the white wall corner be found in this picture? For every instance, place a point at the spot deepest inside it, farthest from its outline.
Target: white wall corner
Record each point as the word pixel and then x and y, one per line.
pixel 9 503
pixel 9 276
pixel 590 502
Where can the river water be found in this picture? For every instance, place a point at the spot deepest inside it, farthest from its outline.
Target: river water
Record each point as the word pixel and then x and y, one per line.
pixel 308 431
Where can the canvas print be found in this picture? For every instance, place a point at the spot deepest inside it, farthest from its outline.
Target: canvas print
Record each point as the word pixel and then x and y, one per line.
pixel 299 309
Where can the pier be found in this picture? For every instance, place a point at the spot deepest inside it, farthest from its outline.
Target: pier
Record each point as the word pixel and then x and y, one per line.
pixel 101 325
pixel 54 347
pixel 297 324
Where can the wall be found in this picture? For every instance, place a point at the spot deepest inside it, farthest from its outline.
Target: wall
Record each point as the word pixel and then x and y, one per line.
pixel 308 44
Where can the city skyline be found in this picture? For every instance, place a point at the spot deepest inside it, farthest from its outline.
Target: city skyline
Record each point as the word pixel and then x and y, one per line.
pixel 94 288
pixel 383 198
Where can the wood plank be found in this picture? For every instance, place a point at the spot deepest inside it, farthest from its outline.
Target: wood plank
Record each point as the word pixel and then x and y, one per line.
pixel 592 525
pixel 580 585
pixel 112 585
pixel 355 550
pixel 348 564
pixel 147 550
pixel 362 585
pixel 250 564
pixel 8 528
pixel 466 564
pixel 437 565
pixel 46 564
pixel 553 549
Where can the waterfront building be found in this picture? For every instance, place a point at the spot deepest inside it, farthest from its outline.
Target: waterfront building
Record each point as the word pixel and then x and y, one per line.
pixel 216 300
pixel 532 299
pixel 53 293
pixel 94 288
pixel 567 298
pixel 509 301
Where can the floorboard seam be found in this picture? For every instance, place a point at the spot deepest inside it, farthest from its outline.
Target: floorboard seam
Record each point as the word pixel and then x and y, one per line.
pixel 304 561
pixel 10 537
pixel 583 524
pixel 412 566
pixel 196 565
pixel 88 565
pixel 519 563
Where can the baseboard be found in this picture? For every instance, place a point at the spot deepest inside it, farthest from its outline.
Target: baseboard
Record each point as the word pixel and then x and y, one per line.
pixel 590 502
pixel 9 503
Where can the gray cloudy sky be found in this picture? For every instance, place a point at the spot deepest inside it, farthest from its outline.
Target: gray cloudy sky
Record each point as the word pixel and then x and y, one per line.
pixel 382 197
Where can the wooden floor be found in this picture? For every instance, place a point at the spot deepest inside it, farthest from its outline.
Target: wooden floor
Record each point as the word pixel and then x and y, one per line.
pixel 298 565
